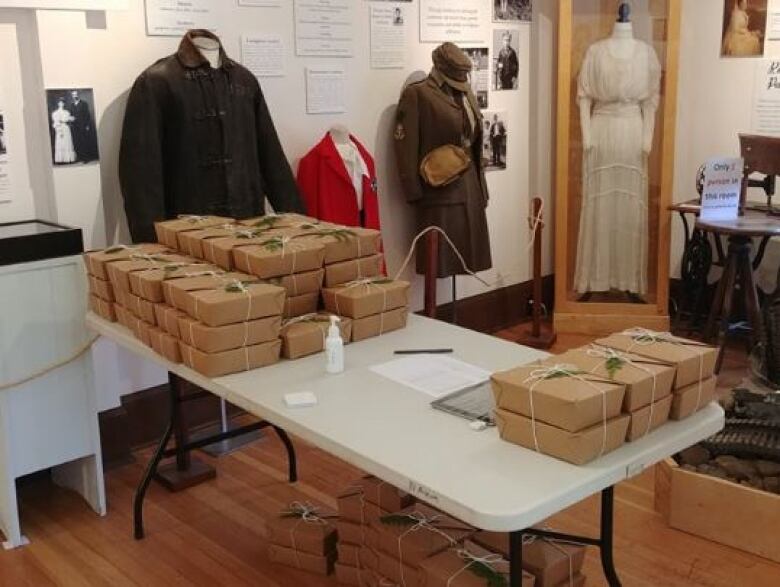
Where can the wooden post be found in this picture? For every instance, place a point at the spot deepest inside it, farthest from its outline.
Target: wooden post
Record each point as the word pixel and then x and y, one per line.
pixel 537 337
pixel 431 272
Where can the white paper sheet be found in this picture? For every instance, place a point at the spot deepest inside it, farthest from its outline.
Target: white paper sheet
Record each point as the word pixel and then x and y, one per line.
pixel 173 18
pixel 388 36
pixel 766 98
pixel 324 28
pixel 261 3
pixel 263 54
pixel 325 93
pixel 434 375
pixel 458 21
pixel 773 25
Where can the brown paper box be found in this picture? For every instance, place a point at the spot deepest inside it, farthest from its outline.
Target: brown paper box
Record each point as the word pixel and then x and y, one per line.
pixel 101 288
pixel 309 537
pixel 349 554
pixel 693 360
pixel 285 220
pixel 345 243
pixel 222 252
pixel 102 308
pixel 352 533
pixel 424 542
pixel 301 305
pixel 565 402
pixel 353 270
pixel 232 336
pixel 366 299
pixel 638 425
pixel 446 569
pixel 351 503
pixel 369 558
pixel 684 402
pixel 299 284
pixel 399 572
pixel 168 230
pixel 348 574
pixel 300 339
pixel 379 324
pixel 123 316
pixel 545 561
pixel 141 330
pixel 271 259
pixel 577 448
pixel 121 297
pixel 217 307
pixel 234 361
pixel 168 318
pixel 98 261
pixel 164 344
pixel 385 495
pixel 637 373
pixel 149 284
pixel 119 272
pixel 173 289
pixel 320 565
pixel 142 309
pixel 196 242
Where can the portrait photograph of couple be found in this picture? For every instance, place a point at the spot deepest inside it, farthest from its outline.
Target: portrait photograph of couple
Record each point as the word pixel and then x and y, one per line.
pixel 72 126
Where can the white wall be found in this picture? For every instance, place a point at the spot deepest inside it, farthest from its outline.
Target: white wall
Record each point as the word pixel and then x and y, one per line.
pixel 107 50
pixel 714 105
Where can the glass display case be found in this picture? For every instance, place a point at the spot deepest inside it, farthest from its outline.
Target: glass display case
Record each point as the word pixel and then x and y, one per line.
pixel 617 87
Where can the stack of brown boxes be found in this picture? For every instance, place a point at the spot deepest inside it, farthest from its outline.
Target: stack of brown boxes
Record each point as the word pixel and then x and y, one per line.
pixel 648 382
pixel 560 410
pixel 549 563
pixel 694 383
pixel 305 335
pixel 102 298
pixel 376 306
pixel 303 537
pixel 361 507
pixel 232 322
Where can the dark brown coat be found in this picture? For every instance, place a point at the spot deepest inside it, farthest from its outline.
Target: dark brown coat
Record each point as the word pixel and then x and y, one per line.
pixel 429 117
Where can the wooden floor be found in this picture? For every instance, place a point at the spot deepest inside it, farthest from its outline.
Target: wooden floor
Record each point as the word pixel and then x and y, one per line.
pixel 215 534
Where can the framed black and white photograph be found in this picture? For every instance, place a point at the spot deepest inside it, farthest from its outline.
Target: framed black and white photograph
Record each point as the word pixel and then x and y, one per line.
pixel 506 63
pixel 512 10
pixel 72 126
pixel 480 74
pixel 3 146
pixel 495 134
pixel 744 26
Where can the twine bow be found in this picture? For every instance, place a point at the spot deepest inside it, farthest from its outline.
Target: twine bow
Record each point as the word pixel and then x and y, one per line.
pixel 643 337
pixel 420 522
pixel 192 218
pixel 368 283
pixel 471 559
pixel 556 371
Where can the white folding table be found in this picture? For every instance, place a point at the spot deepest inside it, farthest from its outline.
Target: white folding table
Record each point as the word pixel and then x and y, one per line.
pixel 391 431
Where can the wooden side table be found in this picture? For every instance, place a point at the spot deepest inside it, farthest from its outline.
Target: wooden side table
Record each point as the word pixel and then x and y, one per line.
pixel 738 272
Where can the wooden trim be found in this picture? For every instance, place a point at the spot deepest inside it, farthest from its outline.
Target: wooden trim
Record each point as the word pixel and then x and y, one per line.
pixel 657 312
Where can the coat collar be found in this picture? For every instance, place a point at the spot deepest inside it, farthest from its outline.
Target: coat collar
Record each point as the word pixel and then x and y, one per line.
pixel 191 57
pixel 331 155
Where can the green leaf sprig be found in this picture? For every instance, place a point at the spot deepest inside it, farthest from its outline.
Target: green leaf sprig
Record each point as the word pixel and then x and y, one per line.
pixel 484 571
pixel 613 365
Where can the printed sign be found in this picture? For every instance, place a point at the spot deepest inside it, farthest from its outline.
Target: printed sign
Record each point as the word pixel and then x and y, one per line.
pixel 722 186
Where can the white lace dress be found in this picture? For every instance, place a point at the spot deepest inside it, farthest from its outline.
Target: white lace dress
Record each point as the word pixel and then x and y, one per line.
pixel 612 242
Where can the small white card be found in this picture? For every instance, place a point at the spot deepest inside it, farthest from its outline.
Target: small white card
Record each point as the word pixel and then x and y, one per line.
pixel 303 399
pixel 722 187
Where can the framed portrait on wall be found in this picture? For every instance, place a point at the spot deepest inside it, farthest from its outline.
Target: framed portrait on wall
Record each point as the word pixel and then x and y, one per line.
pixel 617 87
pixel 72 127
pixel 744 28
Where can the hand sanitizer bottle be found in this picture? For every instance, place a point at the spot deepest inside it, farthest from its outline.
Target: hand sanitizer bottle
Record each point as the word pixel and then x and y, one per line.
pixel 334 348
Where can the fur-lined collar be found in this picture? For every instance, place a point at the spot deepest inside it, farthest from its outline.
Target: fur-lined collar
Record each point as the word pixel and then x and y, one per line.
pixel 190 56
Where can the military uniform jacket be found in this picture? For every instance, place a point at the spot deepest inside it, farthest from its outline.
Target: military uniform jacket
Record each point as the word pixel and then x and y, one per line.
pixel 428 117
pixel 198 140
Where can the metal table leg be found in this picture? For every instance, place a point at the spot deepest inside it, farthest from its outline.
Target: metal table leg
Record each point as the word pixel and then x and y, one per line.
pixel 607 535
pixel 516 559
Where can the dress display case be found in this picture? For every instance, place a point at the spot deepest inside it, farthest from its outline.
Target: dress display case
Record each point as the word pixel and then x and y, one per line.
pixel 617 89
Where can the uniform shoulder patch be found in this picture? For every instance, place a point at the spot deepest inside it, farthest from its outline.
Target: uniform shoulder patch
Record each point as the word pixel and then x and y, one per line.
pixel 400 132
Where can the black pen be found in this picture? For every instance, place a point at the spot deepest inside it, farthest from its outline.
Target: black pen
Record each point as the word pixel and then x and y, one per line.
pixel 423 352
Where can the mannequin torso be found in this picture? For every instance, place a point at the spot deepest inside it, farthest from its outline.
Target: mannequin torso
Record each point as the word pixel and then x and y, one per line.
pixel 209 48
pixel 622 42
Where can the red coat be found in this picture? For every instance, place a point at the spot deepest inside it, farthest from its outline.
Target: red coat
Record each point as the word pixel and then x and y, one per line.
pixel 327 189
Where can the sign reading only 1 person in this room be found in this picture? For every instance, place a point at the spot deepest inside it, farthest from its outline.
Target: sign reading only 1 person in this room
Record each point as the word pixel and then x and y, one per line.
pixel 722 187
